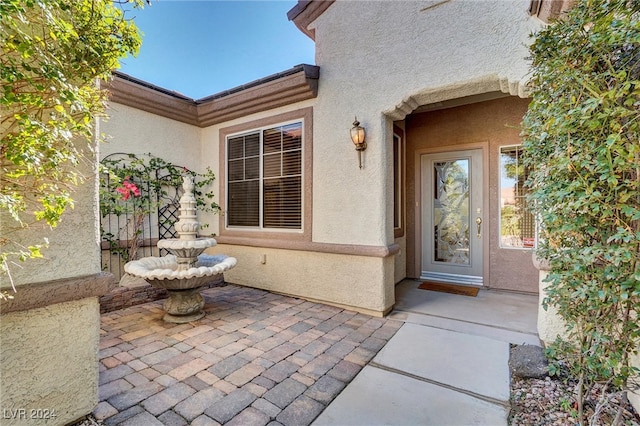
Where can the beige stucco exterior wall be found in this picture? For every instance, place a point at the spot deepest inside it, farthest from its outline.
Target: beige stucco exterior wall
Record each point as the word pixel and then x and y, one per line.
pixel 78 232
pixel 49 332
pixel 399 55
pixel 48 363
pixel 354 282
pixel 400 261
pixel 550 324
pixel 131 130
pixel 634 396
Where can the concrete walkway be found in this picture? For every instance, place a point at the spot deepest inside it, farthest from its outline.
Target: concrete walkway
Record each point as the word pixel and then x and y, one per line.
pixel 264 359
pixel 447 365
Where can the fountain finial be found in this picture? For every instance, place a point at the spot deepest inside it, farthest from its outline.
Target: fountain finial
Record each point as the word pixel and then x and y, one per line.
pixel 187 226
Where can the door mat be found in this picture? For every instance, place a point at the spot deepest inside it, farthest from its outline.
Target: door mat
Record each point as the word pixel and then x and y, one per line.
pixel 449 288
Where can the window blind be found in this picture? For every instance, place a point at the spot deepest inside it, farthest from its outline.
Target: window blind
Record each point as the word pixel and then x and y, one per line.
pixel 269 196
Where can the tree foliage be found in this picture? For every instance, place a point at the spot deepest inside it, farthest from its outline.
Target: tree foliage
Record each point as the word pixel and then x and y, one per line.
pixel 52 54
pixel 582 143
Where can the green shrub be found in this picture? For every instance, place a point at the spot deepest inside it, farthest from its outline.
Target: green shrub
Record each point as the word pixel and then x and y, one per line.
pixel 582 142
pixel 51 54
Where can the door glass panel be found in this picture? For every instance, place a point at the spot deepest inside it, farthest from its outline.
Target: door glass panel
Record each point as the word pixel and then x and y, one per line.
pixel 451 211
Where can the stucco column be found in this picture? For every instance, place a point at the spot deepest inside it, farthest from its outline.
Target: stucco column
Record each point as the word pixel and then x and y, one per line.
pixel 50 330
pixel 550 323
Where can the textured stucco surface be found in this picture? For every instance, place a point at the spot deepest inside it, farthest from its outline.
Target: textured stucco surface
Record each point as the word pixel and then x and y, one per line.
pixel 550 324
pixel 73 248
pixel 135 131
pixel 48 361
pixel 634 397
pixel 400 261
pixel 357 282
pixel 398 54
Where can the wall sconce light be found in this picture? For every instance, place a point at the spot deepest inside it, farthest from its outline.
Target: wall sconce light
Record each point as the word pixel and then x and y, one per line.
pixel 357 137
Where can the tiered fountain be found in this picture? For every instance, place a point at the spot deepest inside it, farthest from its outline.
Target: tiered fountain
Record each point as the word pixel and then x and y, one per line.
pixel 185 270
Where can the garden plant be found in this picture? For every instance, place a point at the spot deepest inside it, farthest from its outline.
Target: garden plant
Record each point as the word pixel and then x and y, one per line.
pixel 133 188
pixel 52 55
pixel 582 146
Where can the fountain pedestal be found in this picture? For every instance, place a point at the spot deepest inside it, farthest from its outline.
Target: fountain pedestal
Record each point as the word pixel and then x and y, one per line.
pixel 184 306
pixel 185 270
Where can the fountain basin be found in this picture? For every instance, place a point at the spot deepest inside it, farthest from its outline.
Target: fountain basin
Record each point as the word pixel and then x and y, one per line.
pixel 186 250
pixel 185 302
pixel 196 243
pixel 164 272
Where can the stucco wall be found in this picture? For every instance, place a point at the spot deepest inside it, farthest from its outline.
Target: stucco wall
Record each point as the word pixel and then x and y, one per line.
pixel 49 331
pixel 400 261
pixel 386 54
pixel 73 248
pixel 48 363
pixel 354 282
pixel 140 132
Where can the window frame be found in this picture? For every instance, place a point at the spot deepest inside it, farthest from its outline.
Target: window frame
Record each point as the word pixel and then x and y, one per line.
pixel 303 116
pixel 500 188
pixel 398 150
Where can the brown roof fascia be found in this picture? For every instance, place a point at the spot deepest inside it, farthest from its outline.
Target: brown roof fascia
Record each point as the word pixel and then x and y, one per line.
pixel 307 11
pixel 273 93
pixel 548 10
pixel 139 94
pixel 296 84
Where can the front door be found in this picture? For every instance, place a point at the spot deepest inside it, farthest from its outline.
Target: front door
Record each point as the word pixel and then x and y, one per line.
pixel 452 217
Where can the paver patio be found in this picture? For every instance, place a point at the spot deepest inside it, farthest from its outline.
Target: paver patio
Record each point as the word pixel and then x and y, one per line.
pixel 256 358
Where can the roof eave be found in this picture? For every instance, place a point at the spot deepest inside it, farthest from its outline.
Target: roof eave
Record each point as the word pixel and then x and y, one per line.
pixel 307 11
pixel 294 85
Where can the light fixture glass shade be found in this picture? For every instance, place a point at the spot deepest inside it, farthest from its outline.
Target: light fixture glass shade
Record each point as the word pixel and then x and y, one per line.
pixel 357 133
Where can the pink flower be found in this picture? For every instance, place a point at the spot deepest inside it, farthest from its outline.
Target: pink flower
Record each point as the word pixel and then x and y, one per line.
pixel 128 189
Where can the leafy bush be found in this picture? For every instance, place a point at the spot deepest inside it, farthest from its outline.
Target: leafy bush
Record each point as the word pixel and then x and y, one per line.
pixel 582 144
pixel 51 54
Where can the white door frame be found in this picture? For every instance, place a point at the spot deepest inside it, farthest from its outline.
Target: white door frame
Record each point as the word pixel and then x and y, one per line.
pixel 485 213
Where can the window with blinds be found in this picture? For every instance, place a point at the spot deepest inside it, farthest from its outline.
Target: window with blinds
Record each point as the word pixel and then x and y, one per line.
pixel 264 178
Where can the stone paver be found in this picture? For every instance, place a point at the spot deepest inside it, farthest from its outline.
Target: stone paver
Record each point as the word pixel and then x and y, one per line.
pixel 301 412
pixel 284 393
pixel 162 401
pixel 325 389
pixel 250 417
pixel 135 395
pixel 228 407
pixel 256 358
pixel 197 403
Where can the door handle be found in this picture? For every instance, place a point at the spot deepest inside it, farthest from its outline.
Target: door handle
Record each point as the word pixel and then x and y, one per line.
pixel 479 224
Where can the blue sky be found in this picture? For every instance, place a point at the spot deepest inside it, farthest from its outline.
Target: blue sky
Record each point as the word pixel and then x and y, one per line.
pixel 199 48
